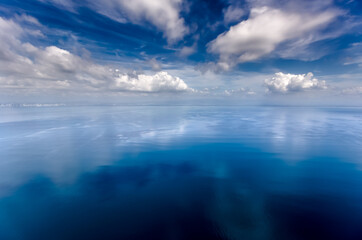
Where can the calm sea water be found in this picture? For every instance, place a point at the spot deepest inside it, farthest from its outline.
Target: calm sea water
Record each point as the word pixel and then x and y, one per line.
pixel 180 172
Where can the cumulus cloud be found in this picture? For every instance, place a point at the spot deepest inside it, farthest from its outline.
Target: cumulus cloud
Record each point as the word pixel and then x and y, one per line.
pixel 160 82
pixel 286 82
pixel 264 30
pixel 23 65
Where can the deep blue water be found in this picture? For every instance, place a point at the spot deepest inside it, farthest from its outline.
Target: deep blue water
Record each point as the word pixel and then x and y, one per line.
pixel 180 172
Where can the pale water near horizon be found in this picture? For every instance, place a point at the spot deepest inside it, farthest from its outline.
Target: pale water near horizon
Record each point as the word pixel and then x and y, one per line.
pixel 180 172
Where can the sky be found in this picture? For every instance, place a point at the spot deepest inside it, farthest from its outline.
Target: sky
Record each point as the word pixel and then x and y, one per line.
pixel 181 51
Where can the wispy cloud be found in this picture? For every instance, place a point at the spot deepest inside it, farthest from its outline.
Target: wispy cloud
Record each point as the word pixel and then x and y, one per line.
pixel 233 14
pixel 265 29
pixel 163 14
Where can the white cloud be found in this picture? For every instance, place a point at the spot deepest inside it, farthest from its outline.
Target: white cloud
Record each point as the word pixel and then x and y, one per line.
pixel 26 18
pixel 23 65
pixel 65 4
pixel 160 82
pixel 354 54
pixel 264 30
pixel 240 91
pixel 9 30
pixel 232 14
pixel 286 82
pixel 164 14
pixel 156 65
pixel 352 91
pixel 187 51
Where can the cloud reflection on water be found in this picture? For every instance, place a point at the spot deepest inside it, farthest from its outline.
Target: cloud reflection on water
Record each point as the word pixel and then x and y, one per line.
pixel 185 172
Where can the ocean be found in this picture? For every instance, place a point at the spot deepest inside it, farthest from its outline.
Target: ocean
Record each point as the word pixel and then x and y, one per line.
pixel 180 172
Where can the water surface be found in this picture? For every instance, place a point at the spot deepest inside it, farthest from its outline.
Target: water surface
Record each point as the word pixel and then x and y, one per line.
pixel 166 172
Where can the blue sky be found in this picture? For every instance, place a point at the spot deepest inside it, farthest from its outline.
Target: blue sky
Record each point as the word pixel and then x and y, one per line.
pixel 238 51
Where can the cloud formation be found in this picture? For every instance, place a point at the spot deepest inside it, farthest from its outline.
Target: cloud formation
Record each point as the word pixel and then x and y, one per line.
pixel 163 14
pixel 159 82
pixel 232 14
pixel 354 54
pixel 286 82
pixel 23 65
pixel 239 91
pixel 264 30
pixel 352 90
pixel 66 4
pixel 78 50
